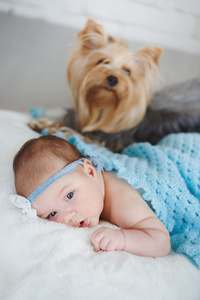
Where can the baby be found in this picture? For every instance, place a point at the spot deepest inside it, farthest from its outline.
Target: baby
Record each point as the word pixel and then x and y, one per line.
pixel 64 186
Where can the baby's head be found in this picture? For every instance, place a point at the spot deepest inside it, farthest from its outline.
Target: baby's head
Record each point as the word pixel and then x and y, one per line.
pixel 58 182
pixel 38 159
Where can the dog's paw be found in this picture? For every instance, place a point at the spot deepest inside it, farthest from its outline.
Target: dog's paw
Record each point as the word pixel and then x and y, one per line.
pixel 42 123
pixel 50 126
pixel 67 131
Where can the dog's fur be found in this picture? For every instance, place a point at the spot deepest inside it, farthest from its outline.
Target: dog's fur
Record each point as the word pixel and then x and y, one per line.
pixel 111 86
pixel 172 110
pixel 111 91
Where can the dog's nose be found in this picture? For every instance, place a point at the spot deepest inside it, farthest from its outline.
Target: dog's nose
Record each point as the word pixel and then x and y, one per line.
pixel 112 80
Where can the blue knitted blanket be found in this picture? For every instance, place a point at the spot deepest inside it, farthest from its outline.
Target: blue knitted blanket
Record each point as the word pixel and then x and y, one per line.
pixel 169 175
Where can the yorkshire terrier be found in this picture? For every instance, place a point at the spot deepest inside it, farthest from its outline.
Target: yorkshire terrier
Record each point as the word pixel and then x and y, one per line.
pixel 112 94
pixel 111 86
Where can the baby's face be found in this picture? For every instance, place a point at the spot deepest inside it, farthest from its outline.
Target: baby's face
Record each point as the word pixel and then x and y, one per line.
pixel 76 199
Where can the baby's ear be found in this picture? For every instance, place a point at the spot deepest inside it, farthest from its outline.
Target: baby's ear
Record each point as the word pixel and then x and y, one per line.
pixel 93 36
pixel 88 167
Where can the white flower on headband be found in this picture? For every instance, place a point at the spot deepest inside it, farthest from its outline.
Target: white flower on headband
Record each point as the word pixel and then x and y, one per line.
pixel 30 214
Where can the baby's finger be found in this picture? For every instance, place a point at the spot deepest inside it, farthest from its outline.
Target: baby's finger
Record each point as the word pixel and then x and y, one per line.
pixel 110 246
pixel 104 243
pixel 96 249
pixel 96 238
pixel 99 231
pixel 99 240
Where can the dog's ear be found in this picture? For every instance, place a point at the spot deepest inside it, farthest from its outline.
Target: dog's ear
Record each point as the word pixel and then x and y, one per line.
pixel 93 36
pixel 151 53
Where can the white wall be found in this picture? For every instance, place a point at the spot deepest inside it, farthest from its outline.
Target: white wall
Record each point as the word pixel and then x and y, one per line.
pixel 174 24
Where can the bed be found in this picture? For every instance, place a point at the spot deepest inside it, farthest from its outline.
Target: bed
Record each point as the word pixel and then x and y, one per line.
pixel 46 260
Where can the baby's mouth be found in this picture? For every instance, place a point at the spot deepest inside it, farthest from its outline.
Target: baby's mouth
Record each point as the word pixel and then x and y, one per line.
pixel 84 223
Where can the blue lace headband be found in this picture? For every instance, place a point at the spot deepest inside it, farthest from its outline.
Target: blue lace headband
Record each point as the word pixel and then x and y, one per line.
pixel 55 177
pixel 25 203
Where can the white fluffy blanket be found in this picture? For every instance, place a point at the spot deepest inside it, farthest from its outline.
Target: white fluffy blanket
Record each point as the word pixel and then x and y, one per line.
pixel 46 260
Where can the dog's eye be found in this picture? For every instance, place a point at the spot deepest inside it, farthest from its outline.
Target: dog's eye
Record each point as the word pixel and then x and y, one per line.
pixel 102 61
pixel 128 72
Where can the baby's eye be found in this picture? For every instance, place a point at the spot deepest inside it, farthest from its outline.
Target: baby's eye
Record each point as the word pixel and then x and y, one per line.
pixel 70 196
pixel 51 215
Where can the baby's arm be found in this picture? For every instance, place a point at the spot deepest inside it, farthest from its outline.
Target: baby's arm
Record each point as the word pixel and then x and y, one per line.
pixel 147 238
pixel 142 232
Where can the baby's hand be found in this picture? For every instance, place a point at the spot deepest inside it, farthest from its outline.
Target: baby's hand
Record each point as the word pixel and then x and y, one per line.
pixel 108 239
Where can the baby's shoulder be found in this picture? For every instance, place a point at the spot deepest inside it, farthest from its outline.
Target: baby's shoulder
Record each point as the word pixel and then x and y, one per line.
pixel 124 206
pixel 118 189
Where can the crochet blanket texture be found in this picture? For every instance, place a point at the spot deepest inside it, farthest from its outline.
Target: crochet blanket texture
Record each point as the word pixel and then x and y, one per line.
pixel 169 175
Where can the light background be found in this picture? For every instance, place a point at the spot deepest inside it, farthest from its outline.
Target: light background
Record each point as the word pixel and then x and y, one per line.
pixel 36 38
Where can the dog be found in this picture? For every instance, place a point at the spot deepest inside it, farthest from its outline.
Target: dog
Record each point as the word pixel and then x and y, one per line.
pixel 111 87
pixel 112 95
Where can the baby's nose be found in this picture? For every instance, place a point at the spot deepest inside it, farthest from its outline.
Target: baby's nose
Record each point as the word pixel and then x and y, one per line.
pixel 68 216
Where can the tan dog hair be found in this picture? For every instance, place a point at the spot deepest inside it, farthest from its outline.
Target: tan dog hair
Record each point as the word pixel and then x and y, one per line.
pixel 111 86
